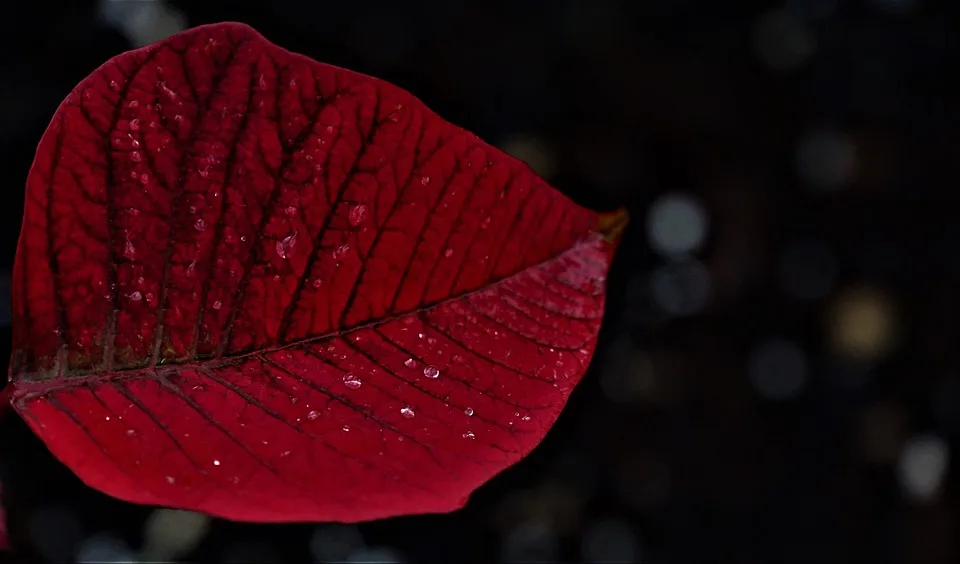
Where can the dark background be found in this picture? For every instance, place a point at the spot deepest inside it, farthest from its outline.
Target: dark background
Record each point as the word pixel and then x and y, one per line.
pixel 778 374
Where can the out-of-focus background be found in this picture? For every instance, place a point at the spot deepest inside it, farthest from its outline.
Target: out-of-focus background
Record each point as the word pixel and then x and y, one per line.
pixel 779 374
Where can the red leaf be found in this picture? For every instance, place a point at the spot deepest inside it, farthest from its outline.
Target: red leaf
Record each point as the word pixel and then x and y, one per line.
pixel 269 289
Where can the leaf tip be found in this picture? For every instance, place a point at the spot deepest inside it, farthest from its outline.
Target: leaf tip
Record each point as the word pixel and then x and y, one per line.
pixel 612 224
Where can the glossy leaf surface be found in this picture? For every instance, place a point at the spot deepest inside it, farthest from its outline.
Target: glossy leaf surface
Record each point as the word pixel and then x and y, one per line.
pixel 270 289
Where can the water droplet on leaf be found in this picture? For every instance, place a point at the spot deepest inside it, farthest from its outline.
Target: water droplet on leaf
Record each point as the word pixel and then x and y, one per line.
pixel 357 215
pixel 407 412
pixel 410 363
pixel 341 252
pixel 312 415
pixel 468 435
pixel 431 371
pixel 285 247
pixel 468 412
pixel 200 225
pixel 351 381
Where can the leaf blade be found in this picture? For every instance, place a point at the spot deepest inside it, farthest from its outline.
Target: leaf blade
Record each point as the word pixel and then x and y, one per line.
pixel 303 310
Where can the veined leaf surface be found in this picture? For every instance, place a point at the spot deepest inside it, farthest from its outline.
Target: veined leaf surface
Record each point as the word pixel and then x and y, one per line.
pixel 269 289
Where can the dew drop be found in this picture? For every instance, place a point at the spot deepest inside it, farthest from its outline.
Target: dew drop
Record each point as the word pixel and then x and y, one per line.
pixel 129 251
pixel 200 224
pixel 431 341
pixel 216 463
pixel 312 415
pixel 410 363
pixel 285 247
pixel 166 90
pixel 341 252
pixel 285 453
pixel 351 381
pixel 357 214
pixel 457 358
pixel 144 178
pixel 448 253
pixel 290 211
pixel 114 85
pixel 431 371
pixel 424 180
pixel 468 435
pixel 317 283
pixel 468 412
pixel 136 156
pixel 177 118
pixel 131 432
pixel 134 143
pixel 346 428
pixel 134 125
pixel 135 296
pixel 407 412
pixel 149 298
pixel 171 479
pixel 525 418
pixel 217 304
